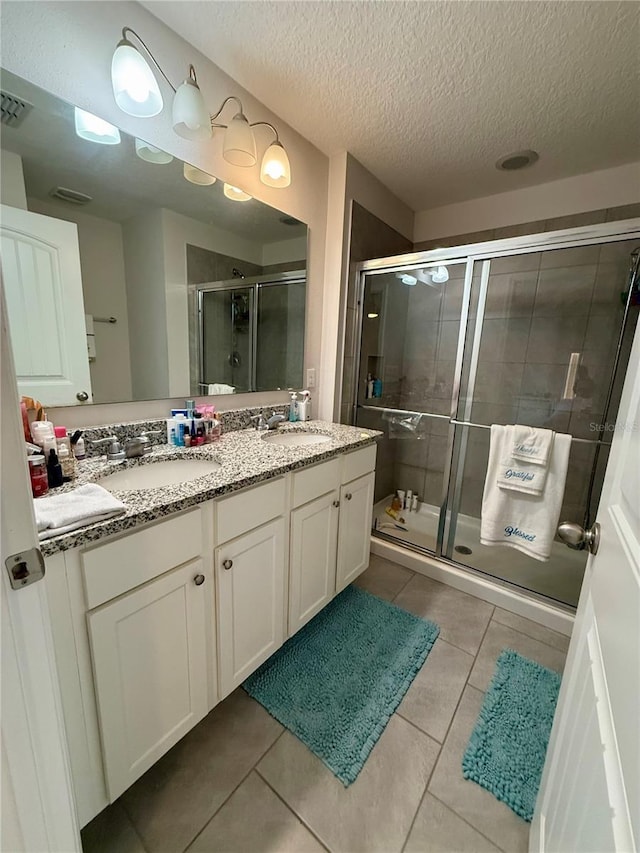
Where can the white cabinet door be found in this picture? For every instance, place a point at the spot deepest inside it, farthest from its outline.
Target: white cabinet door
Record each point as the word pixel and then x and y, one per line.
pixel 356 509
pixel 314 540
pixel 43 286
pixel 150 670
pixel 250 574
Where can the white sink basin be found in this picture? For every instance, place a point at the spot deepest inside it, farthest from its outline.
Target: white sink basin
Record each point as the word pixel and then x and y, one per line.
pixel 295 439
pixel 159 474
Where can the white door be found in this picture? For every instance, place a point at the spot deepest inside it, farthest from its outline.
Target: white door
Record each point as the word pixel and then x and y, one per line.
pixel 43 285
pixel 354 536
pixel 589 798
pixel 251 588
pixel 314 542
pixel 150 671
pixel 38 811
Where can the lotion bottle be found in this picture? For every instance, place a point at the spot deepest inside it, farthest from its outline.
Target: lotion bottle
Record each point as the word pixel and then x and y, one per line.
pixel 293 408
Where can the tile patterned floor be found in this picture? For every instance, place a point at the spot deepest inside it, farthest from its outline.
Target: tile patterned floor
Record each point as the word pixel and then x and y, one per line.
pixel 240 783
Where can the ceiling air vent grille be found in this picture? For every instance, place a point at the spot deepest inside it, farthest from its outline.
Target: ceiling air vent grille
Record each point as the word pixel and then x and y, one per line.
pixel 72 196
pixel 13 110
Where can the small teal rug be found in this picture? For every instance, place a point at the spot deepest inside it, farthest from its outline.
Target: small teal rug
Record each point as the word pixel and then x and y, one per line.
pixel 336 683
pixel 508 745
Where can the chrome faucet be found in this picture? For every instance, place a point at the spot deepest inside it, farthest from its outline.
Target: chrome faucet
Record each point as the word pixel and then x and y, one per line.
pixel 114 452
pixel 261 422
pixel 139 445
pixel 275 420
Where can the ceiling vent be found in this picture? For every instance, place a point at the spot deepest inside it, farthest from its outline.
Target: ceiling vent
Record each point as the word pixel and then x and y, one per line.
pixel 13 110
pixel 72 196
pixel 517 160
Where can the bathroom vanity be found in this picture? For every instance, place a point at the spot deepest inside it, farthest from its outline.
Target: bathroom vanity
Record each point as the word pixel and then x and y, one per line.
pixel 160 613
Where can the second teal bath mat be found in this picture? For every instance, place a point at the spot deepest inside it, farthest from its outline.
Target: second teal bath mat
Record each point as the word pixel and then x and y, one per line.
pixel 508 745
pixel 336 683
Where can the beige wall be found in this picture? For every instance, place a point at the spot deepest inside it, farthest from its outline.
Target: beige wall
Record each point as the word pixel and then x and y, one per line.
pixel 12 190
pixel 591 192
pixel 31 47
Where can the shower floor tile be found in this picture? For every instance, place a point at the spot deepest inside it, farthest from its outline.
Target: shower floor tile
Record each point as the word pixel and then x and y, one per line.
pixel 410 795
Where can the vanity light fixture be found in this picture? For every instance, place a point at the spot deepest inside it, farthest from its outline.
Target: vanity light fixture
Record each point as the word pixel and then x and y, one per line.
pixel 439 275
pixel 235 193
pixel 137 93
pixel 405 278
pixel 95 129
pixel 151 154
pixel 197 176
pixel 372 315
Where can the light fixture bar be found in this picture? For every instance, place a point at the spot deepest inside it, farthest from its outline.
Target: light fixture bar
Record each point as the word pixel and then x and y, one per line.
pixel 126 30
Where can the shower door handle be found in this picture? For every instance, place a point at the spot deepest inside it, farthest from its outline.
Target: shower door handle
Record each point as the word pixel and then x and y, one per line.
pixel 576 537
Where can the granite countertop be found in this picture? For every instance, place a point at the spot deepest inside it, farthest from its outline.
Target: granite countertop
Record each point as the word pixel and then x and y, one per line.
pixel 244 458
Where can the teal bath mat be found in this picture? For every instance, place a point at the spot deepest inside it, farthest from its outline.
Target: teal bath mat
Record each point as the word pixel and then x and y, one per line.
pixel 509 742
pixel 336 683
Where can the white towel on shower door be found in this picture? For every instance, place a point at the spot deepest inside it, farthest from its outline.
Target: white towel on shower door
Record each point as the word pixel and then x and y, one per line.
pixel 516 474
pixel 517 520
pixel 532 444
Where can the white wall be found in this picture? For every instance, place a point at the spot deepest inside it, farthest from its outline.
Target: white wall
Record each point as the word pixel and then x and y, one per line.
pixel 146 303
pixel 12 190
pixel 105 295
pixel 580 194
pixel 32 36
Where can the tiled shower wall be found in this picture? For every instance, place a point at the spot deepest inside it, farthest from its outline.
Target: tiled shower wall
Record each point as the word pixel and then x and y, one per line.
pixel 540 308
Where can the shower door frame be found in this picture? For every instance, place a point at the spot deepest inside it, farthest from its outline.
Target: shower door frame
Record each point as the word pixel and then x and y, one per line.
pixel 253 283
pixel 471 253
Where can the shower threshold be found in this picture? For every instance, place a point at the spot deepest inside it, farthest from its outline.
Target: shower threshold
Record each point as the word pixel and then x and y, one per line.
pixel 559 579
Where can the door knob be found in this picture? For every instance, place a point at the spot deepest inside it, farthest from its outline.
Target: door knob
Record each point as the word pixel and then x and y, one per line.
pixel 198 580
pixel 82 396
pixel 336 504
pixel 226 564
pixel 348 496
pixel 577 537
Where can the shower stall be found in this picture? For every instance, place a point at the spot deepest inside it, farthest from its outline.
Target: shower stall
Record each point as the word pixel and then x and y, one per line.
pixel 533 330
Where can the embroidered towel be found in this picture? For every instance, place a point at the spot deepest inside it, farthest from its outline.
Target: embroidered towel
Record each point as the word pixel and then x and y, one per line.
pixel 520 475
pixel 221 388
pixel 66 512
pixel 532 444
pixel 526 522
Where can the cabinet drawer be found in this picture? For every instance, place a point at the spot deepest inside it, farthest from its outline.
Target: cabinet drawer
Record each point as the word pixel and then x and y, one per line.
pixel 109 570
pixel 358 462
pixel 310 483
pixel 249 509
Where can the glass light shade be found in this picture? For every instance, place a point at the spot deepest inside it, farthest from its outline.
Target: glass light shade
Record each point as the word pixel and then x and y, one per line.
pixel 197 176
pixel 239 144
pixel 135 88
pixel 411 280
pixel 151 154
pixel 191 119
pixel 439 275
pixel 275 170
pixel 235 194
pixel 95 129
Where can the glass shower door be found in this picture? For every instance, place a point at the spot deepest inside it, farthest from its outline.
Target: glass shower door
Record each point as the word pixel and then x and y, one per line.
pixel 227 325
pixel 413 327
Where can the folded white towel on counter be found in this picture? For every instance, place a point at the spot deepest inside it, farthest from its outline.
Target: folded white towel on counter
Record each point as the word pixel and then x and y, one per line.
pixel 532 444
pixel 221 388
pixel 526 522
pixel 66 512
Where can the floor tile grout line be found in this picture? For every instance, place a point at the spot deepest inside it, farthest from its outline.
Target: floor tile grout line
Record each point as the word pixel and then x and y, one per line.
pixel 404 586
pixel 228 797
pixel 131 823
pixel 524 633
pixel 293 811
pixel 464 820
pixel 416 726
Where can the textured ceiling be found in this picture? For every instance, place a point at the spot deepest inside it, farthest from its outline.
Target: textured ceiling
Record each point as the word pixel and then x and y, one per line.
pixel 428 95
pixel 120 183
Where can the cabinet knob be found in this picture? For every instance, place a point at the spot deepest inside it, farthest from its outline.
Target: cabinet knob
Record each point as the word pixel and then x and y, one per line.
pixel 348 496
pixel 336 503
pixel 82 396
pixel 198 580
pixel 226 564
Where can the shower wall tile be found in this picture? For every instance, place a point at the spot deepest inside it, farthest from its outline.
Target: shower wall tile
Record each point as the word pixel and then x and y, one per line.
pixel 543 416
pixel 442 388
pixel 522 230
pixel 437 455
pixel 583 424
pixel 491 413
pixel 498 382
pixel 452 302
pixel 543 384
pixel 611 282
pixel 516 263
pixel 504 340
pixel 625 211
pixel 552 340
pixel 448 340
pixel 564 290
pixel 413 452
pixel 577 220
pixel 578 256
pixel 511 294
pixel 433 485
pixel 408 477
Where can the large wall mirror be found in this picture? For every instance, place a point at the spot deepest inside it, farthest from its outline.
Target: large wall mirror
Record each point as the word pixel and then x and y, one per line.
pixel 130 275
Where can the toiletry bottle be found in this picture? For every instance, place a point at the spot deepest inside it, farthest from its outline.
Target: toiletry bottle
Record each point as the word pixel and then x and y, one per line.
pixel 190 406
pixel 54 470
pixel 79 450
pixel 38 475
pixel 414 503
pixel 377 387
pixel 67 462
pixel 407 500
pixel 194 432
pixel 293 408
pixel 369 391
pixel 304 407
pixel 62 439
pixel 180 424
pixel 172 437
